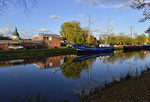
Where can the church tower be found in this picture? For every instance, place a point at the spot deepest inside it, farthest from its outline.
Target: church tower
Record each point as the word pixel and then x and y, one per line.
pixel 15 35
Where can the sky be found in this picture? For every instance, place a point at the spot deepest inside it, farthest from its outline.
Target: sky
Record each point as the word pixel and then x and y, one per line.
pixel 48 15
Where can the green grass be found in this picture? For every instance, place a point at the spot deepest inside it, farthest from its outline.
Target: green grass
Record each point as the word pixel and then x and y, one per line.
pixel 34 53
pixel 118 48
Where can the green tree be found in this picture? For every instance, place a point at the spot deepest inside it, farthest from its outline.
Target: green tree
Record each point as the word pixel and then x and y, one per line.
pixel 145 6
pixel 142 38
pixel 72 32
pixel 101 41
pixel 71 69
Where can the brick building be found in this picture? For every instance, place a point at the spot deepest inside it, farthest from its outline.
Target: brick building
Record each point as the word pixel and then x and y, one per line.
pixel 50 40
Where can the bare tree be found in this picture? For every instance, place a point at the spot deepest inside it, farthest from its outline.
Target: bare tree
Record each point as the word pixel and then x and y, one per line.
pixel 145 6
pixel 25 5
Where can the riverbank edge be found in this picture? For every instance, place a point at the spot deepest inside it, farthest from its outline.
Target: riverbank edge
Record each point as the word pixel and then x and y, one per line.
pixel 38 53
pixel 127 90
pixel 35 53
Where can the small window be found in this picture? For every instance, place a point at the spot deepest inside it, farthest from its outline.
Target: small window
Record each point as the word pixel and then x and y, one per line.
pixel 0 45
pixel 44 38
pixel 50 38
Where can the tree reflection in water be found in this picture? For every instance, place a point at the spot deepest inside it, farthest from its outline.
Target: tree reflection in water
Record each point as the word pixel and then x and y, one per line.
pixel 73 66
pixel 72 69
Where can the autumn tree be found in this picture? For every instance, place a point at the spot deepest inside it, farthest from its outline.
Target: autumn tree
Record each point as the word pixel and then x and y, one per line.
pixel 142 38
pixel 145 6
pixel 72 32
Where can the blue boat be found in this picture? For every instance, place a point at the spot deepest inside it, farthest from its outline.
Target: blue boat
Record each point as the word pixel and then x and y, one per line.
pixel 84 48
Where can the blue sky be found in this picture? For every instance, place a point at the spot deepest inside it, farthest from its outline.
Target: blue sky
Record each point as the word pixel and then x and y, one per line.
pixel 48 16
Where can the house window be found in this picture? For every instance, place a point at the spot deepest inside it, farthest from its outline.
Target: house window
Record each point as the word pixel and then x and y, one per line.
pixel 44 38
pixel 47 38
pixel 50 38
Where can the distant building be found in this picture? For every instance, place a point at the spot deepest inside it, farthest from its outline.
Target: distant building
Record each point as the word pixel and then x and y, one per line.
pixel 19 44
pixel 50 40
pixel 15 35
pixel 45 41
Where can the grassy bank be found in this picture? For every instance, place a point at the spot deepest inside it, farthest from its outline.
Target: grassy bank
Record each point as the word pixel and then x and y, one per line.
pixel 129 89
pixel 118 47
pixel 34 53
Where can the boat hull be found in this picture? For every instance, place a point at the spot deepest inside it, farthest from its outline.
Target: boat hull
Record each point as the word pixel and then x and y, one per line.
pixel 90 49
pixel 94 49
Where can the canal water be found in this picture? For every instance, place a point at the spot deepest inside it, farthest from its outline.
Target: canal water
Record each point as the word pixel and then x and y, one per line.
pixel 67 77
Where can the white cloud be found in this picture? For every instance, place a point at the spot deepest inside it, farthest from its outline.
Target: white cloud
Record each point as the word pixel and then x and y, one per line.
pixel 9 26
pixel 43 22
pixel 96 30
pixel 123 5
pixel 103 6
pixel 81 15
pixel 102 1
pixel 43 30
pixel 147 1
pixel 118 4
pixel 5 31
pixel 24 32
pixel 55 17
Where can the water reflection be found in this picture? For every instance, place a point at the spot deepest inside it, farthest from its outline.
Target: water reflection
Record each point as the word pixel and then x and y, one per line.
pixel 74 65
pixel 72 74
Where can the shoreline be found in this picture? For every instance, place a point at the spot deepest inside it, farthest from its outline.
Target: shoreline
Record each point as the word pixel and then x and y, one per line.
pixel 38 53
pixel 128 89
pixel 35 53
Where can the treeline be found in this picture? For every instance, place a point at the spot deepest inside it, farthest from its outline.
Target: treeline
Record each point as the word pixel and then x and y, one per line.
pixel 73 32
pixel 123 39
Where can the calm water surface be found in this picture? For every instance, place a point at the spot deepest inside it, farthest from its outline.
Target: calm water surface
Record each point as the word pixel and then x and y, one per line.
pixel 65 77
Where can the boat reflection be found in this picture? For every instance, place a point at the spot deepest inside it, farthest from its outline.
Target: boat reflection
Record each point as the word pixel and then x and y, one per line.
pixel 74 65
